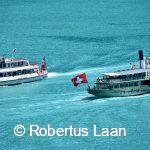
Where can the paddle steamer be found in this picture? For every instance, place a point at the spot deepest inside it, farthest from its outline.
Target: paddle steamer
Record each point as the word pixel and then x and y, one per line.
pixel 17 70
pixel 130 82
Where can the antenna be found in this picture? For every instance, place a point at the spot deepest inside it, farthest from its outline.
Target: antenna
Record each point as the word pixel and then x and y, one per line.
pixel 14 52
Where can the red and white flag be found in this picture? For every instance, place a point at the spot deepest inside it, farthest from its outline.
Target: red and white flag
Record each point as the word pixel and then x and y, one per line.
pixel 79 79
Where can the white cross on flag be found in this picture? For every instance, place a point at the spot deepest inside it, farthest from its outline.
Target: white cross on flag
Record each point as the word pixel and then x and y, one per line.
pixel 79 79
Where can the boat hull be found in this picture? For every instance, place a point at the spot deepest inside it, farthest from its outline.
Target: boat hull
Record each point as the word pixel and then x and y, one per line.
pixel 121 92
pixel 22 80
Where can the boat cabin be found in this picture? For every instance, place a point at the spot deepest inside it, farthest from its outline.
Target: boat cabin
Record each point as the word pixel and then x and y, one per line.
pixel 14 67
pixel 127 74
pixel 16 73
pixel 12 62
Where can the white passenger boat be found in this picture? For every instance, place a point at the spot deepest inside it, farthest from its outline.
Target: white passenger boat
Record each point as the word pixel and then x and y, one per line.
pixel 17 70
pixel 130 82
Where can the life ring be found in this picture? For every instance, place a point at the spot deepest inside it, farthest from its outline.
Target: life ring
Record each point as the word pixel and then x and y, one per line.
pixel 147 77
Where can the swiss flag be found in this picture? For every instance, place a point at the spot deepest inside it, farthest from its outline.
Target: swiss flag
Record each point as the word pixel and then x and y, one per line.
pixel 79 79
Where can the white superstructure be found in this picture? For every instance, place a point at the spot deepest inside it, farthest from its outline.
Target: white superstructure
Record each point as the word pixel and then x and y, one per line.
pixel 17 70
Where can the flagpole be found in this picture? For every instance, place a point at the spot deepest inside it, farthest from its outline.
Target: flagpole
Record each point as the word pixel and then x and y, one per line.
pixel 13 54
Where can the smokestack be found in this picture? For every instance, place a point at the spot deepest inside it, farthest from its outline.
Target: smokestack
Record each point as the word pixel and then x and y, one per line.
pixel 140 55
pixel 141 59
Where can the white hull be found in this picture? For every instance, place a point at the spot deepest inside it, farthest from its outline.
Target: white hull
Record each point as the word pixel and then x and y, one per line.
pixel 22 79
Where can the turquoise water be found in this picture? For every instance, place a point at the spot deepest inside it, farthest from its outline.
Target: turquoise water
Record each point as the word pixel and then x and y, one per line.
pixel 75 36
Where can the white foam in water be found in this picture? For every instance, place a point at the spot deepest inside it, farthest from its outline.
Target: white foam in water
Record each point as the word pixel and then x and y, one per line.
pixel 52 74
pixel 98 69
pixel 89 70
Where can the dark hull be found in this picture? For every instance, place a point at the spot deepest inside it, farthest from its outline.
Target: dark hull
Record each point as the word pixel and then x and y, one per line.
pixel 122 92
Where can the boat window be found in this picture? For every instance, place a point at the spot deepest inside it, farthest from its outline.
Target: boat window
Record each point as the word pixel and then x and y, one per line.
pixel 25 63
pixel 32 70
pixel 122 85
pixel 142 83
pixel 131 84
pixel 126 84
pixel 144 74
pixel 12 64
pixel 1 75
pixel 4 65
pixel 0 65
pixel 20 63
pixel 116 86
pixel 9 74
pixel 110 86
pixel 23 71
pixel 15 64
pixel 141 74
pixel 4 74
pixel 130 76
pixel 8 65
pixel 27 71
pixel 14 73
pixel 19 72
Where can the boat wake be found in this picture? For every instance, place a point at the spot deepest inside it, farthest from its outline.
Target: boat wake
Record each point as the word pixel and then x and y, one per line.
pixel 55 74
pixel 87 70
pixel 52 74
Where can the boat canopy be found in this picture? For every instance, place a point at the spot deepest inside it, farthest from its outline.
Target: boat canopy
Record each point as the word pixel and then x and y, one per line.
pixel 127 72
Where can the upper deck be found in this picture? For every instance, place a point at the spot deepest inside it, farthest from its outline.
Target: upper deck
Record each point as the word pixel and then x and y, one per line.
pixel 135 76
pixel 13 62
pixel 11 67
pixel 127 72
pixel 126 75
pixel 135 71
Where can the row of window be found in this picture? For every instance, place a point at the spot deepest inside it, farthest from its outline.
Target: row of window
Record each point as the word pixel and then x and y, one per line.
pixel 16 73
pixel 14 64
pixel 130 84
pixel 122 85
pixel 126 77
